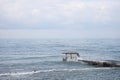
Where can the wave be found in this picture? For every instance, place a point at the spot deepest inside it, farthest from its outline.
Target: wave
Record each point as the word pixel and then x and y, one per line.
pixel 50 70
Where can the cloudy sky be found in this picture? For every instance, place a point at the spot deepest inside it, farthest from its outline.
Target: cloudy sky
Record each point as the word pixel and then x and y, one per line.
pixel 59 18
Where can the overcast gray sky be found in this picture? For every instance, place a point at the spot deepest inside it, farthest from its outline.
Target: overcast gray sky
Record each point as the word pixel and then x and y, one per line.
pixel 59 18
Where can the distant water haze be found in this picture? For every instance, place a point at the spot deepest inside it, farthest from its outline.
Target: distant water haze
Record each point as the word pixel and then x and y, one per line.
pixel 60 34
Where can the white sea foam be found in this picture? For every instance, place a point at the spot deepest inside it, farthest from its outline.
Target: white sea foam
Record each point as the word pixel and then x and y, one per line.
pixel 50 70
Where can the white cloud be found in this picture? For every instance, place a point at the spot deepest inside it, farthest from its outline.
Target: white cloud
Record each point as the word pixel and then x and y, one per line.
pixel 62 12
pixel 62 18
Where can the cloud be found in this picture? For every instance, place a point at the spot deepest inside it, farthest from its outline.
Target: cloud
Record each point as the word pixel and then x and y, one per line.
pixel 30 14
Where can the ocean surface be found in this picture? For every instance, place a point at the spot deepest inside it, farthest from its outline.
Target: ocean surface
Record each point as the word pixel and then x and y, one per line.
pixel 41 59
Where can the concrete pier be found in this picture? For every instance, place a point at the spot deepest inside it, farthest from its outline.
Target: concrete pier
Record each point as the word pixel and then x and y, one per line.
pixel 101 63
pixel 74 56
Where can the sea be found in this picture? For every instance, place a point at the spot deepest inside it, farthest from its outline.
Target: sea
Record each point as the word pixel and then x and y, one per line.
pixel 41 59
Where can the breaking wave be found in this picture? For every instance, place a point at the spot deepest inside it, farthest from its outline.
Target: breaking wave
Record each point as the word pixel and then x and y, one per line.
pixel 50 70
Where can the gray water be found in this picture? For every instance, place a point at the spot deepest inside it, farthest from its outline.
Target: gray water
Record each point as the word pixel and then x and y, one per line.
pixel 41 59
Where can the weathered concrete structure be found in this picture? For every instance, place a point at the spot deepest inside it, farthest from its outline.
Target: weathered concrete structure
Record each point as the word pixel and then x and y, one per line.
pixel 101 63
pixel 73 56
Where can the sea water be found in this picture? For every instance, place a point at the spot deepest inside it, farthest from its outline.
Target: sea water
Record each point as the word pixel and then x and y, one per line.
pixel 41 59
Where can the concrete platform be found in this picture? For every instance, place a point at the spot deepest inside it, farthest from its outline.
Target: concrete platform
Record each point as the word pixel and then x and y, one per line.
pixel 101 63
